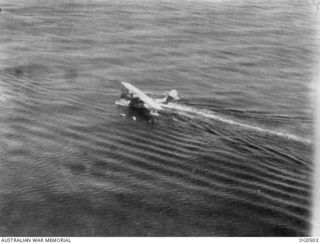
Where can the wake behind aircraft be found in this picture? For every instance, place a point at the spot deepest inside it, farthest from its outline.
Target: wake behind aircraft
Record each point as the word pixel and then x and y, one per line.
pixel 138 100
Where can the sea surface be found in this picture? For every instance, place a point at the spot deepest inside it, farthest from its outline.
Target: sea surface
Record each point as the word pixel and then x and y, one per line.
pixel 234 157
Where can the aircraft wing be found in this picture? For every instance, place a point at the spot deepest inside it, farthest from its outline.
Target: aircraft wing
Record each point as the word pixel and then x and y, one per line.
pixel 149 103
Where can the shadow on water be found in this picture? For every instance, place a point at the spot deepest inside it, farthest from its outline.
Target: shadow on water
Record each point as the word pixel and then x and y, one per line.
pixel 139 115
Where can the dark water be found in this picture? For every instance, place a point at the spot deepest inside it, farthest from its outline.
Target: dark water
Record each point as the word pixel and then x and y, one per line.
pixel 232 158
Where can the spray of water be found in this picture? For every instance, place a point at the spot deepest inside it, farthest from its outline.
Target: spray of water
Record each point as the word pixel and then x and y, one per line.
pixel 204 113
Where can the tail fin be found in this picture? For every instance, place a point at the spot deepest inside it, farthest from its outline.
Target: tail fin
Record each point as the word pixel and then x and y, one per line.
pixel 171 96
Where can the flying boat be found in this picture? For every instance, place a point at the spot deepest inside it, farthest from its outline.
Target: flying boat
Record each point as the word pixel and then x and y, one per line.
pixel 138 100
